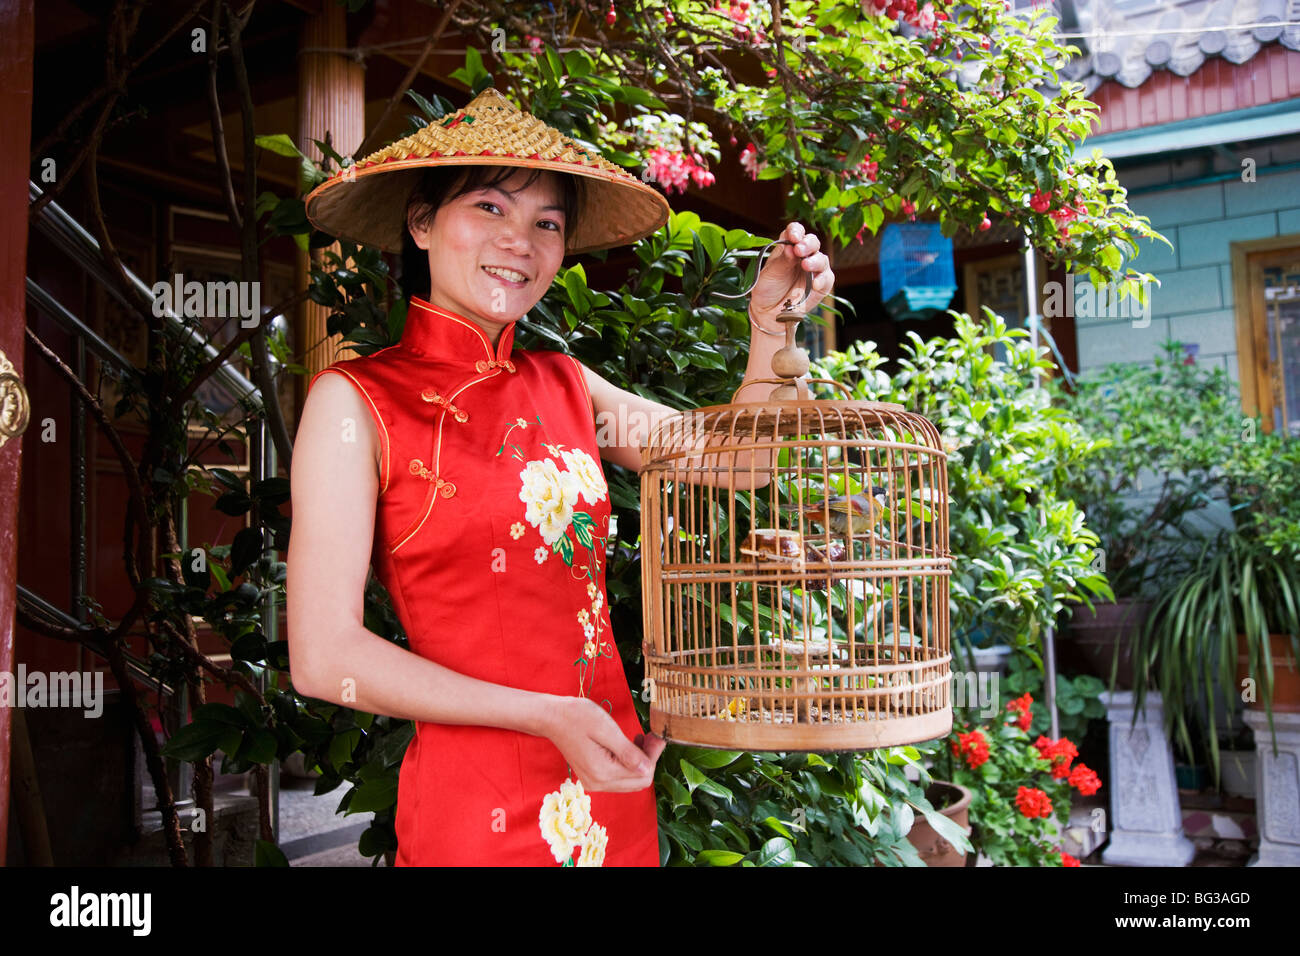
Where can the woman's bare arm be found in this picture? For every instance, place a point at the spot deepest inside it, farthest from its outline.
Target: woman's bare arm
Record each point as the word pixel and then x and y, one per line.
pixel 333 657
pixel 625 421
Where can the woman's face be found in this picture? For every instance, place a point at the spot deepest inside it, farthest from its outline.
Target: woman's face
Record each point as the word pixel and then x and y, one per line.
pixel 494 250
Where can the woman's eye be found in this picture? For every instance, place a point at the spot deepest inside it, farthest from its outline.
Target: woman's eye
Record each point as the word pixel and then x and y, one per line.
pixel 551 222
pixel 486 203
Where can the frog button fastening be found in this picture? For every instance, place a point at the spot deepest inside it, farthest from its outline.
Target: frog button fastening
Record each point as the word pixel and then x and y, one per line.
pixel 483 365
pixel 446 488
pixel 429 395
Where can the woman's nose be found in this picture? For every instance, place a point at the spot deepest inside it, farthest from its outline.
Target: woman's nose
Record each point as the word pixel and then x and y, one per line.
pixel 513 235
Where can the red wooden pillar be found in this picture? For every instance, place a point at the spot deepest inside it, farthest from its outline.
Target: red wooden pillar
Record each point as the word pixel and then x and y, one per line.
pixel 17 37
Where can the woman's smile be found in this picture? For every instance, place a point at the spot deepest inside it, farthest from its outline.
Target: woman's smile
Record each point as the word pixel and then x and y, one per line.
pixel 511 278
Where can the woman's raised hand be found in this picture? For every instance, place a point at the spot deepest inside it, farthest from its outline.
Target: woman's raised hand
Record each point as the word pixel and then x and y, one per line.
pixel 601 757
pixel 783 276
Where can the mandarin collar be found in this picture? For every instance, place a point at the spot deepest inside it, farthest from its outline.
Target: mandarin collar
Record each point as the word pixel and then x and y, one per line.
pixel 437 333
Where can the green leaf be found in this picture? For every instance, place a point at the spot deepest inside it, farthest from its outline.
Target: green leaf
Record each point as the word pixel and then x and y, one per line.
pixel 777 851
pixel 281 144
pixel 719 857
pixel 266 853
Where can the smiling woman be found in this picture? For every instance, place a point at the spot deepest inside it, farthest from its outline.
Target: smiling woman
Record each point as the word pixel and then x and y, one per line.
pixel 484 187
pixel 468 471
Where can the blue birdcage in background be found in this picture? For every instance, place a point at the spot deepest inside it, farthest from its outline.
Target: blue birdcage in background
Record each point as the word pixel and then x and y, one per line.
pixel 916 274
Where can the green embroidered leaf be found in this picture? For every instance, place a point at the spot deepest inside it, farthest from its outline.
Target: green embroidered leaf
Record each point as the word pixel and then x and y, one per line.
pixel 566 550
pixel 582 525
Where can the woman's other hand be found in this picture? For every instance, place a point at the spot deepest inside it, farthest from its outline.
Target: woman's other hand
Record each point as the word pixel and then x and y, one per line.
pixel 594 746
pixel 783 276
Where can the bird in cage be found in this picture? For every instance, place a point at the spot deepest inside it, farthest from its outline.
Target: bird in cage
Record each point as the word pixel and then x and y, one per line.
pixel 850 514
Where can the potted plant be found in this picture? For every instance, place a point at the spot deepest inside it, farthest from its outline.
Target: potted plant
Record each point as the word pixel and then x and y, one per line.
pixel 1162 429
pixel 1020 789
pixel 953 801
pixel 1232 615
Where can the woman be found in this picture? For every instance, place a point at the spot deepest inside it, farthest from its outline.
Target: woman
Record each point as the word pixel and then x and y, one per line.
pixel 471 472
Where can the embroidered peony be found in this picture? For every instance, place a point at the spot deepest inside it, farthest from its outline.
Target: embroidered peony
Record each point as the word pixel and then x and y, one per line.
pixel 587 473
pixel 564 819
pixel 593 846
pixel 550 495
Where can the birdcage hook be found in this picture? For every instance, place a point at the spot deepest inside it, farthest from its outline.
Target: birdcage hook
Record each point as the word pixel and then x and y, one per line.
pixel 790 305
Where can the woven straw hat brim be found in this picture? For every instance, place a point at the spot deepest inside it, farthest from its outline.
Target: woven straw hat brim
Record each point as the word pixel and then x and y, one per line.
pixel 366 202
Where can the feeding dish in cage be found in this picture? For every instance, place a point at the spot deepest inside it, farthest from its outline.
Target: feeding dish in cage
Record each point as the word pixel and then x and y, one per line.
pixel 795 572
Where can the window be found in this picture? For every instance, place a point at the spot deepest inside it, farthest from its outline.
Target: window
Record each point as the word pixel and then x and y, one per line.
pixel 1266 279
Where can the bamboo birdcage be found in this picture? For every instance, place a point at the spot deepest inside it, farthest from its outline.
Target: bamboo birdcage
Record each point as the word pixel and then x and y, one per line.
pixel 774 621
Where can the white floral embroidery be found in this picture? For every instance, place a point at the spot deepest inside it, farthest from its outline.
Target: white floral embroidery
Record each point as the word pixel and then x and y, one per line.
pixel 540 554
pixel 592 590
pixel 517 530
pixel 589 649
pixel 550 495
pixel 598 602
pixel 588 631
pixel 565 818
pixel 593 849
pixel 584 616
pixel 591 482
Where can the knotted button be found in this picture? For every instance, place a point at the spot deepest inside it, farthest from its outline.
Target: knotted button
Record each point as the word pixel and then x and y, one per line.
pixel 429 395
pixel 441 484
pixel 484 364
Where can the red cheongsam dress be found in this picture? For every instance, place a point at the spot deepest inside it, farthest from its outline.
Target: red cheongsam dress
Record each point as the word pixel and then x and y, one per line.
pixel 491 526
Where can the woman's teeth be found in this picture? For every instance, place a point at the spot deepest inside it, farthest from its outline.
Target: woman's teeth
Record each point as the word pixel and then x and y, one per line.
pixel 508 274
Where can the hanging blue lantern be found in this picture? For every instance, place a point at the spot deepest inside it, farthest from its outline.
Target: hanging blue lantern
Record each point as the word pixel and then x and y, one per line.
pixel 916 274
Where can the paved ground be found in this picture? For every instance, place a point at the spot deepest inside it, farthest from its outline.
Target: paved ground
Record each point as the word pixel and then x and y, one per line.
pixel 311 832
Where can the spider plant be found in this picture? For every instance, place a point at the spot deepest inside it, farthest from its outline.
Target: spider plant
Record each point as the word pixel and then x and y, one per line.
pixel 1236 585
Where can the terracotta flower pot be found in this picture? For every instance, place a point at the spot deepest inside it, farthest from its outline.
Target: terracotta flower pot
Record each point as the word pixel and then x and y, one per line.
pixel 932 848
pixel 1286 677
pixel 1093 637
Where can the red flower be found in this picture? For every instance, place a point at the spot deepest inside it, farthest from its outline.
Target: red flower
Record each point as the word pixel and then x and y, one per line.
pixel 1021 705
pixel 985 225
pixel 1059 753
pixel 1032 802
pixel 1041 201
pixel 908 207
pixel 1067 860
pixel 973 746
pixel 1085 779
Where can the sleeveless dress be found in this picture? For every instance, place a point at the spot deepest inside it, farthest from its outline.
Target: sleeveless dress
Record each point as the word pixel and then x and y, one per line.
pixel 491 526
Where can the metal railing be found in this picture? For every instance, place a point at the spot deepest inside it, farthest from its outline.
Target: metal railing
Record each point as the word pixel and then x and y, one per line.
pixel 67 235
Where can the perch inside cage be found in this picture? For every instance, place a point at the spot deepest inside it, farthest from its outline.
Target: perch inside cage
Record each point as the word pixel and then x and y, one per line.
pixel 795 571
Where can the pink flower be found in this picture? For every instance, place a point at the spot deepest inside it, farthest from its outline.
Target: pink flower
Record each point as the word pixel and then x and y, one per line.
pixel 1041 201
pixel 749 161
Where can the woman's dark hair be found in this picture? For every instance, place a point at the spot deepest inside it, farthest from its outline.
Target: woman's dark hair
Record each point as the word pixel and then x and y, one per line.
pixel 435 187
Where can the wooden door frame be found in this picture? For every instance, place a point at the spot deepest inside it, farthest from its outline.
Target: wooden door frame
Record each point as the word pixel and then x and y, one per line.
pixel 17 48
pixel 1252 325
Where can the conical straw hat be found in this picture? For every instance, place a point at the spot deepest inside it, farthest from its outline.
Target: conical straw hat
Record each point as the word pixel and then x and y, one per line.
pixel 366 203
